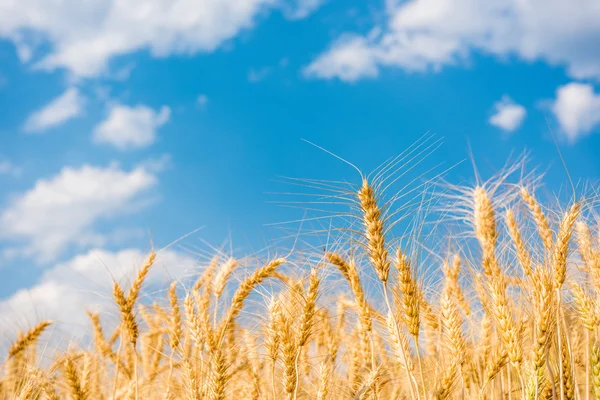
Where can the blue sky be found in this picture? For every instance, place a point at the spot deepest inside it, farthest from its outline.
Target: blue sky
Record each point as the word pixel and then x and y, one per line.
pixel 131 121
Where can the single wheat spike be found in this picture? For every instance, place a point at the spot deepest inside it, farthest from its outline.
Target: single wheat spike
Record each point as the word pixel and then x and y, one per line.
pixel 451 271
pixel 100 342
pixel 410 294
pixel 485 230
pixel 562 244
pixel 584 241
pixel 307 319
pixel 484 219
pixel 222 276
pixel 175 332
pixel 26 340
pixel 348 269
pixel 543 299
pixel 519 243
pixel 136 286
pixel 325 371
pixel 246 287
pixel 205 279
pixel 485 340
pixel 73 380
pixel 505 321
pixel 192 321
pixel 127 318
pixel 208 333
pixel 399 344
pixel 374 231
pixel 540 219
pixel 288 347
pixel 272 337
pixel 219 376
pixel 452 328
pixel 586 308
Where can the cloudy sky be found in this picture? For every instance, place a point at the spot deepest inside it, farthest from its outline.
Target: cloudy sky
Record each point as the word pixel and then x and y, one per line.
pixel 127 122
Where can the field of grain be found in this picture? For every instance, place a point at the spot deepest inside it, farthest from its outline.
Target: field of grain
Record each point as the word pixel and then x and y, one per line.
pixel 507 308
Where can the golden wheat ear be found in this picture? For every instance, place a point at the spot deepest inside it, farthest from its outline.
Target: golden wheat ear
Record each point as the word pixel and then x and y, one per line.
pixel 28 339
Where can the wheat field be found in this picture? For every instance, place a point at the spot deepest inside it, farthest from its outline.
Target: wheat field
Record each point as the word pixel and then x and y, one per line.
pixel 512 315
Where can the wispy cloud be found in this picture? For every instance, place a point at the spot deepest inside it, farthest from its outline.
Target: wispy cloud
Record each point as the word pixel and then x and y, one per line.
pixel 298 9
pixel 60 110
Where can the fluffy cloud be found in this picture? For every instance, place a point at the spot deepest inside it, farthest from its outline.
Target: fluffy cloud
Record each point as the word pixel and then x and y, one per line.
pixel 66 290
pixel 577 109
pixel 85 36
pixel 428 34
pixel 508 116
pixel 63 108
pixel 350 59
pixel 64 209
pixel 131 127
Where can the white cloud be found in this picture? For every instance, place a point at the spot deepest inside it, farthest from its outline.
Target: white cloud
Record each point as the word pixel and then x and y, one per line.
pixel 131 127
pixel 349 59
pixel 8 168
pixel 60 110
pixel 302 8
pixel 66 290
pixel 508 116
pixel 63 210
pixel 428 34
pixel 84 36
pixel 577 109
